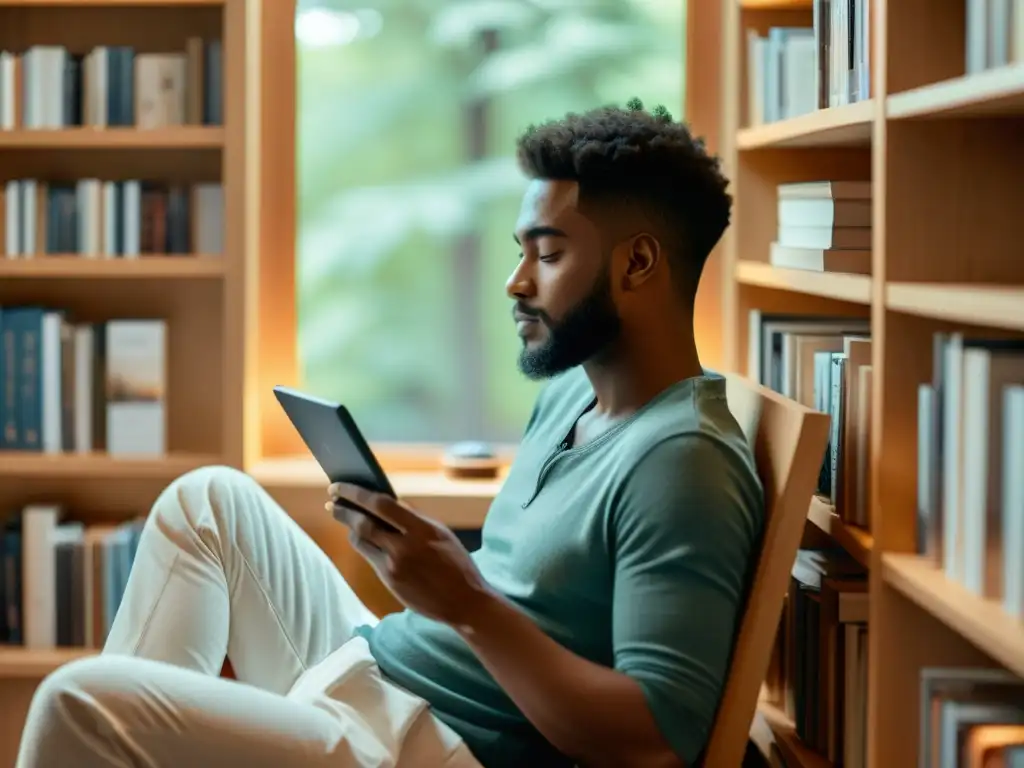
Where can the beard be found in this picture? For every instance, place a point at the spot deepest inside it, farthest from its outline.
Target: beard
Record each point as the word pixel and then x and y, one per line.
pixel 585 331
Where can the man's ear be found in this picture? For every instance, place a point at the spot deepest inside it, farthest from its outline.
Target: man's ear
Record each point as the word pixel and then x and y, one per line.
pixel 642 254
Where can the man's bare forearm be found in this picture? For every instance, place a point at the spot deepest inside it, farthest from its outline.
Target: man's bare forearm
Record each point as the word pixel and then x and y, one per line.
pixel 591 713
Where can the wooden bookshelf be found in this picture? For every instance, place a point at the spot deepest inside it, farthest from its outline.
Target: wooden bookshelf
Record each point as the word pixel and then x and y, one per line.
pixel 830 285
pixel 52 139
pixel 996 92
pixel 203 298
pixel 30 665
pixel 163 267
pixel 982 622
pixel 856 541
pixel 942 150
pixel 776 5
pixel 1000 306
pixel 112 3
pixel 34 466
pixel 839 126
pixel 783 734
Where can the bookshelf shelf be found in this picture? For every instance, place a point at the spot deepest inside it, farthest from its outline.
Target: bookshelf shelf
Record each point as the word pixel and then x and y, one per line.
pixel 851 288
pixel 774 5
pixel 996 306
pixel 848 125
pixel 794 753
pixel 161 267
pixel 32 664
pixel 994 92
pixel 97 465
pixel 856 541
pixel 110 3
pixel 178 137
pixel 27 663
pixel 982 622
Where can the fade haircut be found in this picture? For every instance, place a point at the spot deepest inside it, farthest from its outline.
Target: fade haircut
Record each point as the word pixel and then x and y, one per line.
pixel 630 157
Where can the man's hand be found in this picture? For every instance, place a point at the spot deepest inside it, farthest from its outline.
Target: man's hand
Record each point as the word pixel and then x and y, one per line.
pixel 422 562
pixel 593 714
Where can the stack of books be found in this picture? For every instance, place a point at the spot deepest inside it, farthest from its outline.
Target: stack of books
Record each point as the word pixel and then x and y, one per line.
pixel 824 226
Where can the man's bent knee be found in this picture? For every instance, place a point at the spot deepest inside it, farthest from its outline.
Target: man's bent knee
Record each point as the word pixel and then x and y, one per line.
pixel 70 711
pixel 210 490
pixel 214 478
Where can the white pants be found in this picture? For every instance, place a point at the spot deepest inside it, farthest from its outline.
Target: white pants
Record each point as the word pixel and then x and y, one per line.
pixel 221 569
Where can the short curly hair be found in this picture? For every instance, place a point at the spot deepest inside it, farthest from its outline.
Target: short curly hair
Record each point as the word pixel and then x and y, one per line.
pixel 630 155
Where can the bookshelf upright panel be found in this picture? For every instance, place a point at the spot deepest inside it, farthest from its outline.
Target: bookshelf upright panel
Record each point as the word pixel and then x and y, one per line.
pixel 938 134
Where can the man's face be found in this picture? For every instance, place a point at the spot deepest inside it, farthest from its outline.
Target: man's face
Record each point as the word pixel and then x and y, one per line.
pixel 564 309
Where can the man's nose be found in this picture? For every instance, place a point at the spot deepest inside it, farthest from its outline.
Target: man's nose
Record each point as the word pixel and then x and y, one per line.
pixel 520 284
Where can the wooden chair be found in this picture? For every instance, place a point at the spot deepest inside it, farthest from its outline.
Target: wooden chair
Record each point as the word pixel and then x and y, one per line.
pixel 788 441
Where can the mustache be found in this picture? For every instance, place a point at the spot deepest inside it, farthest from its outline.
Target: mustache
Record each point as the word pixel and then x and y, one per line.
pixel 525 311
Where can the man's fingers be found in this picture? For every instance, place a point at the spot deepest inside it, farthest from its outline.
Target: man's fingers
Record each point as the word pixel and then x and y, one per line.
pixel 388 509
pixel 373 554
pixel 363 525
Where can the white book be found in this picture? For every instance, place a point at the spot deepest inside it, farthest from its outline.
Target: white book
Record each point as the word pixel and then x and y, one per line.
pixel 52 431
pixel 208 219
pixel 131 201
pixel 1013 500
pixel 29 216
pixel 12 219
pixel 85 362
pixel 1017 31
pixel 136 353
pixel 38 575
pixel 952 459
pixel 8 90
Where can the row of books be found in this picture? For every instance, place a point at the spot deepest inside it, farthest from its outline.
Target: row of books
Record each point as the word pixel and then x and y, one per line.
pixel 971 718
pixel 970 438
pixel 824 363
pixel 110 219
pixel 971 465
pixel 793 71
pixel 82 387
pixel 994 34
pixel 818 671
pixel 824 226
pixel 62 581
pixel 48 86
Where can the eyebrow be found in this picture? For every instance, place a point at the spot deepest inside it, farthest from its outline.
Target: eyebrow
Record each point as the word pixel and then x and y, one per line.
pixel 536 232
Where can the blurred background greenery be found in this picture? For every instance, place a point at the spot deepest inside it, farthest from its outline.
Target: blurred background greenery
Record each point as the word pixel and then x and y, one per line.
pixel 408 189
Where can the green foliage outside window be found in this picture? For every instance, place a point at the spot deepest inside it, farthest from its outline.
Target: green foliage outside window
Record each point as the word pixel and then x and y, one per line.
pixel 408 190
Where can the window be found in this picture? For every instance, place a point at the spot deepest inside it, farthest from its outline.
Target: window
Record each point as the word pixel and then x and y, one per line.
pixel 408 189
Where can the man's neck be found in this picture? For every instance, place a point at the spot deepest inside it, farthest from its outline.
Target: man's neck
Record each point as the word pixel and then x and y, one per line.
pixel 639 367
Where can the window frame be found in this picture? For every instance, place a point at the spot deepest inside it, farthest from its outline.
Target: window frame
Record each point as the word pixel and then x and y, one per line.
pixel 274 344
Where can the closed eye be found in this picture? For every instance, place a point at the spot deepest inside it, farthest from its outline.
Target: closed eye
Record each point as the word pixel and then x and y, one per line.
pixel 551 256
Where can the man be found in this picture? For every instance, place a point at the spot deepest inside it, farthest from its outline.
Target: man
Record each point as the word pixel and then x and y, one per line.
pixel 595 624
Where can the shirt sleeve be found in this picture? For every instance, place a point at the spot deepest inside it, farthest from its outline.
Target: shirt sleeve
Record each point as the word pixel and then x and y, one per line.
pixel 684 529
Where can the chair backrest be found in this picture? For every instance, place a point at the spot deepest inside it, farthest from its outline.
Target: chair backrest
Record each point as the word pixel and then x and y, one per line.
pixel 788 441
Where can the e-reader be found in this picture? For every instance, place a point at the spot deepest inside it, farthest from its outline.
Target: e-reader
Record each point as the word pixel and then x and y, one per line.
pixel 329 431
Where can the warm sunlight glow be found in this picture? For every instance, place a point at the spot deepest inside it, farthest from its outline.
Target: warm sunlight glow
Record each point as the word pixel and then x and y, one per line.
pixel 320 28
